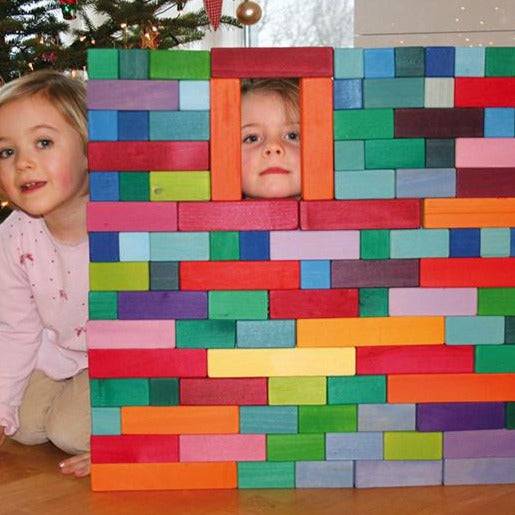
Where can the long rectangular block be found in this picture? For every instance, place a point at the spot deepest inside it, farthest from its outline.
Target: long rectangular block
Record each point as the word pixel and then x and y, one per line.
pixel 484 92
pixel 268 419
pixel 354 446
pixel 240 391
pixel 323 474
pixel 412 445
pixel 488 443
pixel 365 184
pixel 300 447
pixel 266 474
pixel 432 301
pixel 363 124
pixel 199 448
pixel 395 153
pixel 178 246
pixel 416 243
pixel 485 152
pixel 425 182
pixel 166 186
pixel 119 392
pixel 297 390
pixel 462 330
pixel 134 448
pixel 479 471
pixel 205 334
pixel 393 92
pixel 323 419
pixel 356 389
pixel 238 304
pixel 179 125
pixel 118 276
pixel 179 64
pixel 386 417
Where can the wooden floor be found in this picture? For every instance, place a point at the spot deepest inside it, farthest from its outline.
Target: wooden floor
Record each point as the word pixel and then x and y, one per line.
pixel 30 483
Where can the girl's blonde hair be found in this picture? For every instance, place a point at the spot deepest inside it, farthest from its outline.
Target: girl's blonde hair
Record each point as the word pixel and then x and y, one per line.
pixel 67 95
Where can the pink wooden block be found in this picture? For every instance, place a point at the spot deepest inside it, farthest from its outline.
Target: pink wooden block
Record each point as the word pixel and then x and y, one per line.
pixel 485 152
pixel 314 245
pixel 233 447
pixel 131 334
pixel 432 301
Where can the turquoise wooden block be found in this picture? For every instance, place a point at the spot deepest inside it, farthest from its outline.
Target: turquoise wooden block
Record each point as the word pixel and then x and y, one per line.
pixel 324 474
pixel 265 333
pixel 179 125
pixel 495 242
pixel 179 246
pixel 369 389
pixel 349 155
pixel 418 243
pixel 105 421
pixel 134 246
pixel 268 419
pixel 469 330
pixel 103 63
pixel 469 62
pixel 266 474
pixel 425 182
pixel 134 64
pixel 348 63
pixel 386 417
pixel 364 184
pixel 194 95
pixel 398 92
pixel 379 62
pixel 367 445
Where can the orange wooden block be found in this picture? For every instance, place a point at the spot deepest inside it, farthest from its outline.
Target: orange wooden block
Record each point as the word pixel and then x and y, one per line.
pixel 225 139
pixel 163 476
pixel 409 388
pixel 469 212
pixel 316 107
pixel 180 419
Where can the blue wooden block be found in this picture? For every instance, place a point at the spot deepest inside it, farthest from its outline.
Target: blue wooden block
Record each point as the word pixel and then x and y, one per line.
pixel 425 182
pixel 479 471
pixel 194 95
pixel 254 245
pixel 265 333
pixel 471 330
pixel 104 186
pixel 366 445
pixel 134 246
pixel 268 419
pixel 103 125
pixel 349 155
pixel 440 61
pixel 133 126
pixel 386 417
pixel 105 421
pixel 379 62
pixel 419 243
pixel 375 473
pixel 348 63
pixel 179 125
pixel 364 184
pixel 465 242
pixel 324 474
pixel 348 94
pixel 495 242
pixel 315 274
pixel 499 122
pixel 103 246
pixel 512 242
pixel 469 62
pixel 180 246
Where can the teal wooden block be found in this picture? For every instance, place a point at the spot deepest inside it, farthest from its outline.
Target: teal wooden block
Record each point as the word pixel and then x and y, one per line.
pixel 469 62
pixel 236 305
pixel 119 392
pixel 103 63
pixel 265 333
pixel 348 63
pixel 324 474
pixel 134 64
pixel 395 153
pixel 418 243
pixel 364 184
pixel 266 474
pixel 205 334
pixel 179 125
pixel 356 389
pixel 268 419
pixel 495 242
pixel 134 246
pixel 386 417
pixel 194 95
pixel 409 62
pixel 440 153
pixel 470 330
pixel 164 391
pixel 349 155
pixel 352 124
pixel 399 92
pixel 425 182
pixel 106 421
pixel 179 246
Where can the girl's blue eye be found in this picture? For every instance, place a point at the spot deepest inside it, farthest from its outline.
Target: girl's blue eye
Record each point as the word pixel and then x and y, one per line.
pixel 6 152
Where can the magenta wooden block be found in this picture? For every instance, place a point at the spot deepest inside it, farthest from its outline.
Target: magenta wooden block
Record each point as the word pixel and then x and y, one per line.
pixel 485 152
pixel 222 447
pixel 489 443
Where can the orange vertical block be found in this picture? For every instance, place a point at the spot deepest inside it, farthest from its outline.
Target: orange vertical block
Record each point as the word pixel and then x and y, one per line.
pixel 225 139
pixel 316 107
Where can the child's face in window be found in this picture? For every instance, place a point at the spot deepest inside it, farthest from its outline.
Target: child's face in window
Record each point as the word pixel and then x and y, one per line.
pixel 270 149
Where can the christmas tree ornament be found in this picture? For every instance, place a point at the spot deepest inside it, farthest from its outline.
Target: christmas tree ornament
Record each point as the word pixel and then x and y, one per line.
pixel 69 9
pixel 248 12
pixel 214 12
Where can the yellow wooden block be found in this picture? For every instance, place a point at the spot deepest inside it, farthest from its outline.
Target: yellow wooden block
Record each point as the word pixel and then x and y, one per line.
pixel 297 390
pixel 360 332
pixel 280 362
pixel 128 276
pixel 180 186
pixel 469 212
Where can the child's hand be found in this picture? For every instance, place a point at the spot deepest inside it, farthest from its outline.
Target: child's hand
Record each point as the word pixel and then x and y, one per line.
pixel 78 465
pixel 2 435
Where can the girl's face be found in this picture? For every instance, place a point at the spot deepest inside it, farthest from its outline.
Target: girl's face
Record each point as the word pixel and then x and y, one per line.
pixel 43 167
pixel 270 149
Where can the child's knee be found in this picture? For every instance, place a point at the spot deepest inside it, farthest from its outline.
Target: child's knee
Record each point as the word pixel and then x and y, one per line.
pixel 29 436
pixel 72 438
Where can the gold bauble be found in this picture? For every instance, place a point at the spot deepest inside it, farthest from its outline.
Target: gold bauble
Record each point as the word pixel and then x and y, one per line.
pixel 248 12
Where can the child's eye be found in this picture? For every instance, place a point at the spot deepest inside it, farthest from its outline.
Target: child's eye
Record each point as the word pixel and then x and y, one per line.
pixel 250 138
pixel 5 153
pixel 44 143
pixel 293 136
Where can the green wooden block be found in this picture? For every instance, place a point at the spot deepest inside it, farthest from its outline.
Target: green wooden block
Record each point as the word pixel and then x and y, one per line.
pixel 373 302
pixel 205 334
pixel 129 276
pixel 103 63
pixel 224 245
pixel 411 445
pixel 103 305
pixel 510 415
pixel 495 358
pixel 403 92
pixel 419 243
pixel 364 184
pixel 440 153
pixel 356 389
pixel 134 63
pixel 164 275
pixel 363 124
pixel 134 186
pixel 348 63
pixel 119 392
pixel 409 62
pixel 164 391
pixel 349 155
pixel 180 186
pixel 297 447
pixel 495 242
pixel 238 305
pixel 297 390
pixel 264 474
pixel 500 62
pixel 179 246
pixel 180 64
pixel 509 330
pixel 395 153
pixel 328 419
pixel 268 419
pixel 375 244
pixel 496 301
pixel 179 125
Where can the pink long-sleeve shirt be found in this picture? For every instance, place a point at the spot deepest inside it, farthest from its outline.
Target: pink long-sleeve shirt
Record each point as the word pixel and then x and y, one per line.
pixel 43 309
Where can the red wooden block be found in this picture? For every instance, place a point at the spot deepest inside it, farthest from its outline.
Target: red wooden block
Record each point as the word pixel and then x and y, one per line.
pixel 272 62
pixel 485 182
pixel 147 363
pixel 480 272
pixel 134 448
pixel 239 275
pixel 360 214
pixel 423 359
pixel 484 92
pixel 314 303
pixel 148 155
pixel 238 391
pixel 245 215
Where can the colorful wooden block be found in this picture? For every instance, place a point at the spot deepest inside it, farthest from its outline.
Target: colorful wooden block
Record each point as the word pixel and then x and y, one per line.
pixel 254 245
pixel 103 186
pixel 323 474
pixel 297 390
pixel 194 95
pixel 499 122
pixel 265 333
pixel 238 304
pixel 348 63
pixel 496 301
pixel 348 94
pixel 485 182
pixel 178 125
pixel 409 62
pixel 499 62
pixel 479 471
pixel 425 182
pixel 354 446
pixel 134 246
pixel 438 92
pixel 373 302
pixel 349 155
pixel 103 305
pixel 493 443
pixel 104 246
pixel 410 445
pixel 365 184
pixel 323 419
pixel 266 474
pixel 102 63
pixel 131 276
pixel 315 274
pixel 133 63
pixel 103 125
pixel 432 301
pixel 394 153
pixel 164 391
pixel 416 243
pixel 469 62
pixel 300 447
pixel 440 153
pixel 105 421
pixel 224 245
pixel 354 124
pixel 464 242
pixel 379 62
pixel 134 186
pixel 398 92
pixel 374 244
pixel 268 419
pixel 386 417
pixel 495 242
pixel 484 92
pixel 218 392
pixel 164 275
pixel 170 246
pixel 222 448
pixel 205 334
pixel 133 126
pixel 166 186
pixel 440 61
pixel 119 392
pixel 356 390
pixel 179 64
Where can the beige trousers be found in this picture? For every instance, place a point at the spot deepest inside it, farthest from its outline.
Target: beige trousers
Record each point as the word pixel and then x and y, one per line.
pixel 58 411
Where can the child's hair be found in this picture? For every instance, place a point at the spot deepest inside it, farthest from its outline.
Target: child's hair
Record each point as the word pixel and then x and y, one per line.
pixel 67 95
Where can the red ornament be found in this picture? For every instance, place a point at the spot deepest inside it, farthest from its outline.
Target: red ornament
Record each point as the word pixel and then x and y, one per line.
pixel 214 12
pixel 69 9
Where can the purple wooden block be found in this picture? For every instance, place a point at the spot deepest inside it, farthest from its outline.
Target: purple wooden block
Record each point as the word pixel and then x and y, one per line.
pixel 460 416
pixel 495 443
pixel 363 273
pixel 133 95
pixel 479 471
pixel 162 305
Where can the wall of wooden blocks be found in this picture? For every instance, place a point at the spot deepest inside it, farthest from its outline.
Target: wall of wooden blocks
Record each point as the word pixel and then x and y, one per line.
pixel 362 336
